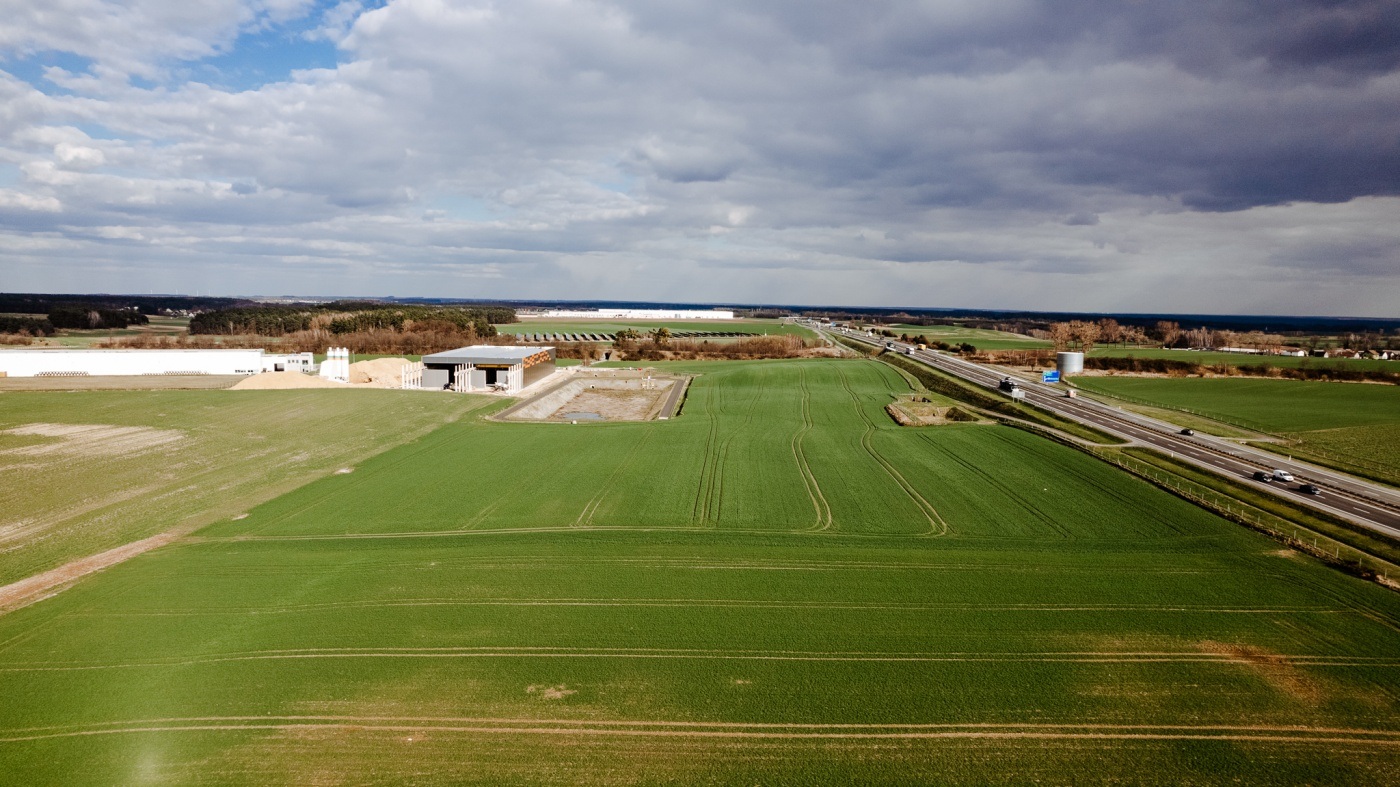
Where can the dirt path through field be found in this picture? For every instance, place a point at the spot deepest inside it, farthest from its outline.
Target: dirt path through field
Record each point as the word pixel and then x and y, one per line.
pixel 41 586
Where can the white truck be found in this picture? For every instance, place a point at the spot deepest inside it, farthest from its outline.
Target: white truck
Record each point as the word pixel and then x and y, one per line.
pixel 1283 475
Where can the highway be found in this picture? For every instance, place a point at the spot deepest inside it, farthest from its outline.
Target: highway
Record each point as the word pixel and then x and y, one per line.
pixel 1369 505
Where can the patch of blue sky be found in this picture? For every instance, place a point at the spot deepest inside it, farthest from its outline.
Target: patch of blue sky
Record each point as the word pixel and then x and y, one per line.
pixel 263 58
pixel 31 69
pixel 9 174
pixel 99 131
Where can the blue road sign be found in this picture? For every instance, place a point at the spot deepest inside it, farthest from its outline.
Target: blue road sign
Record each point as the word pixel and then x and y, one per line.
pixel 1050 377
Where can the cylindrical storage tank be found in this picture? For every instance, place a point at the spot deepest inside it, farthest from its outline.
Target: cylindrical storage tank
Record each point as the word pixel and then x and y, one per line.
pixel 1069 363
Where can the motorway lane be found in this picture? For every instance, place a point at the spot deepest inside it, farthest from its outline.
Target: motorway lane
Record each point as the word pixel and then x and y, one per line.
pixel 1344 497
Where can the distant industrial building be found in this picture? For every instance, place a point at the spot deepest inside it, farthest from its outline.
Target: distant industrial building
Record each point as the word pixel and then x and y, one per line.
pixel 639 314
pixel 487 368
pixel 95 363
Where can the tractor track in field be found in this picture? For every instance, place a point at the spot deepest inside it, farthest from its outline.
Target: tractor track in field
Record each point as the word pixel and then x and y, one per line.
pixel 700 512
pixel 1008 490
pixel 633 728
pixel 716 507
pixel 585 517
pixel 809 479
pixel 937 527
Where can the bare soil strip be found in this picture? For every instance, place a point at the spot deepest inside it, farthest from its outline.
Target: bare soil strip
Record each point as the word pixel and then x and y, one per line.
pixel 41 586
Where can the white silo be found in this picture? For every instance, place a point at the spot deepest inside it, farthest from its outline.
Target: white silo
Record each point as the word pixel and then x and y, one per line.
pixel 1069 363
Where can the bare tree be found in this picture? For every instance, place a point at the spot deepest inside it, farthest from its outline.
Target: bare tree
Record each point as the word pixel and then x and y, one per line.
pixel 1084 332
pixel 1167 332
pixel 1060 335
pixel 1110 331
pixel 1199 338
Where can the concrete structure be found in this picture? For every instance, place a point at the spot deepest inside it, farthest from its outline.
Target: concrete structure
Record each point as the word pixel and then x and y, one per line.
pixel 486 367
pixel 78 363
pixel 1069 363
pixel 640 314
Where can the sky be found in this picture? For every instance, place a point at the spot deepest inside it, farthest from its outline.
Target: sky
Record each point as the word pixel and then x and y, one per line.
pixel 1199 157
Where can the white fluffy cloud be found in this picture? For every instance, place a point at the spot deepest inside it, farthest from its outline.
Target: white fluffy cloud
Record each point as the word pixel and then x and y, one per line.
pixel 995 154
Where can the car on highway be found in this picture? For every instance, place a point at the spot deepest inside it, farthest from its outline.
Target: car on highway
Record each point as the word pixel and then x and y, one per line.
pixel 1188 432
pixel 1260 475
pixel 1283 475
pixel 1310 489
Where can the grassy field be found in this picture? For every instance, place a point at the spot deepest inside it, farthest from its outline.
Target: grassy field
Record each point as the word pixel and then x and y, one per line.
pixel 86 471
pixel 646 326
pixel 159 326
pixel 779 586
pixel 1343 421
pixel 981 338
pixel 1241 359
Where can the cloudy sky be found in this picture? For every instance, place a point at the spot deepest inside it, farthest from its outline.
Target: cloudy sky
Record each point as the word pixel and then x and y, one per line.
pixel 1204 156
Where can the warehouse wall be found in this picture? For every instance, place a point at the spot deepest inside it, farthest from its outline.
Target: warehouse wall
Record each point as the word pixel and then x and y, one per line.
pixel 30 363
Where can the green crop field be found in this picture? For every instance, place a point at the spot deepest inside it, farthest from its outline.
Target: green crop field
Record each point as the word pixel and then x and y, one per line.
pixel 646 326
pixel 1355 421
pixel 980 338
pixel 86 471
pixel 779 586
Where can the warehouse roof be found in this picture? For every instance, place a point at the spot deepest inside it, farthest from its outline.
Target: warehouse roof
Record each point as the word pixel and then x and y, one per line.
pixel 485 353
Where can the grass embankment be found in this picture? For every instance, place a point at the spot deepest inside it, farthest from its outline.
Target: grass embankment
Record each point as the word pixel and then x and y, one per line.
pixel 781 586
pixel 1278 517
pixel 87 471
pixel 1348 426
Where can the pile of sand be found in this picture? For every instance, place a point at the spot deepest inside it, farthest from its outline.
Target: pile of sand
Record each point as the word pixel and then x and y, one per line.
pixel 272 381
pixel 378 373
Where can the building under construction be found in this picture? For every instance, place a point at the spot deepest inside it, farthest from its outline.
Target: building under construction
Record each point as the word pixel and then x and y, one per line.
pixel 486 367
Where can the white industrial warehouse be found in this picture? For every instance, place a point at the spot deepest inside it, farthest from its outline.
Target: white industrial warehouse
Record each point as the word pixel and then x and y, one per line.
pixel 82 363
pixel 640 314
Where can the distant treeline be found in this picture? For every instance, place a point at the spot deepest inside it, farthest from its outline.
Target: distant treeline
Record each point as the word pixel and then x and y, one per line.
pixel 39 303
pixel 29 326
pixel 89 318
pixel 80 316
pixel 345 317
pixel 1021 321
pixel 1168 366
